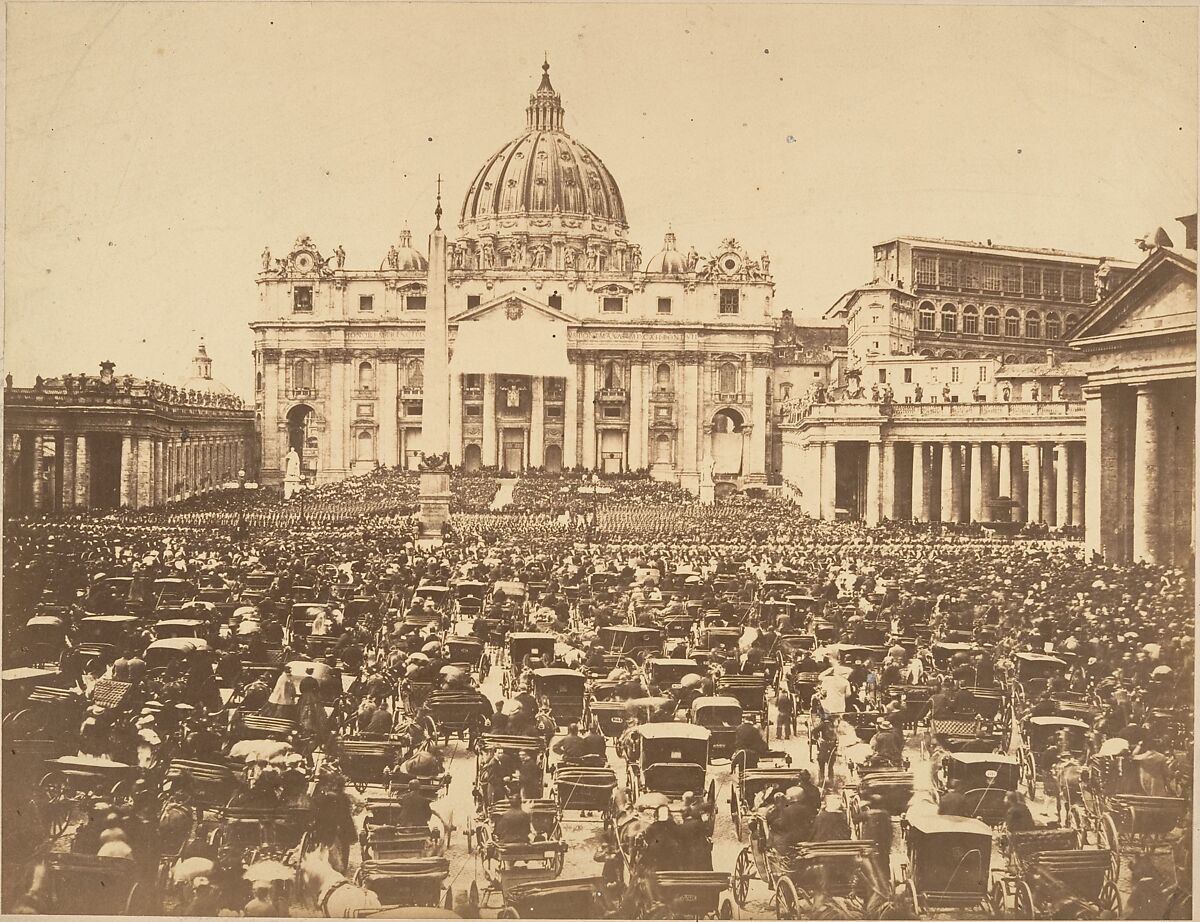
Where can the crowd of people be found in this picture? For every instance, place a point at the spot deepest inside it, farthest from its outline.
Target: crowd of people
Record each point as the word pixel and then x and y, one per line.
pixel 1127 628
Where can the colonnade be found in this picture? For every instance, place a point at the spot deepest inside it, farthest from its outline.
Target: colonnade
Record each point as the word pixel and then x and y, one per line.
pixel 944 481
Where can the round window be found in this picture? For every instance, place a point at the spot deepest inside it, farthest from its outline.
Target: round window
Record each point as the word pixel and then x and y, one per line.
pixel 730 264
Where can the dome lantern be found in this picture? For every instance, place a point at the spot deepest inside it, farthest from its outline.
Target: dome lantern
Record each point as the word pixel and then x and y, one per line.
pixel 545 112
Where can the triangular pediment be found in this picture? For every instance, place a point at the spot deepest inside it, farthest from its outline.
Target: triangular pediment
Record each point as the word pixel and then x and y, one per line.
pixel 514 305
pixel 1158 299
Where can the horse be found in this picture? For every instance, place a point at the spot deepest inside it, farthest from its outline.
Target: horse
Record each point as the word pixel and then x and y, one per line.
pixel 333 895
pixel 1069 774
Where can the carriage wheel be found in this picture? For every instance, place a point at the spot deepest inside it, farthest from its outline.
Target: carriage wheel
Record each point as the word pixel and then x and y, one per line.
pixel 1109 899
pixel 787 900
pixel 1023 907
pixel 473 900
pixel 1030 774
pixel 914 897
pixel 448 901
pixel 997 901
pixel 743 872
pixel 737 817
pixel 56 791
pixel 726 910
pixel 508 913
pixel 1111 839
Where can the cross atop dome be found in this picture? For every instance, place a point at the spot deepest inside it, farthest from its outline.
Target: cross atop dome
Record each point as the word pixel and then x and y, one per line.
pixel 545 112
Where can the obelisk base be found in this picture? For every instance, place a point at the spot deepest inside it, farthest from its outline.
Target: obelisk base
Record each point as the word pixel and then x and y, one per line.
pixel 708 494
pixel 434 505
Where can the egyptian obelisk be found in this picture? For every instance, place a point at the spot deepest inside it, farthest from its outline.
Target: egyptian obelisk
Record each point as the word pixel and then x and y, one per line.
pixel 435 495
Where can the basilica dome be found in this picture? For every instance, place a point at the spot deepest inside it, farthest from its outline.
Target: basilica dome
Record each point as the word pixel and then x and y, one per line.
pixel 544 176
pixel 668 260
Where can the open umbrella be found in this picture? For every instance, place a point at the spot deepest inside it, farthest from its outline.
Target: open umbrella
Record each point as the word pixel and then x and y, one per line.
pixel 432 647
pixel 451 671
pixel 418 658
pixel 188 869
pixel 269 869
pixel 691 680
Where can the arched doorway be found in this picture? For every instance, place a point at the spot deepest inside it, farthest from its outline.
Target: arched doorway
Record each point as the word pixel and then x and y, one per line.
pixel 725 449
pixel 472 458
pixel 553 458
pixel 299 420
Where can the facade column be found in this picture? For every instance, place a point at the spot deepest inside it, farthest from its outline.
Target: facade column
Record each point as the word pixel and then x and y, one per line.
pixel 456 419
pixel 1146 477
pixel 637 423
pixel 1033 490
pixel 1062 484
pixel 946 512
pixel 689 425
pixel 920 482
pixel 337 432
pixel 489 420
pixel 570 420
pixel 589 415
pixel 977 474
pixel 829 480
pixel 389 421
pixel 68 469
pixel 871 510
pixel 128 471
pixel 1077 474
pixel 758 420
pixel 537 423
pixel 83 473
pixel 888 501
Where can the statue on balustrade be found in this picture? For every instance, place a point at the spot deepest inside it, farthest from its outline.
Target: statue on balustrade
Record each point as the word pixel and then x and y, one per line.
pixel 266 258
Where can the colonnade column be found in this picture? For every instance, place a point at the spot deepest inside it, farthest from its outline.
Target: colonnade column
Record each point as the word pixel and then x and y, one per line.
pixel 1033 489
pixel 871 515
pixel 920 482
pixel 589 415
pixel 570 420
pixel 1048 497
pixel 489 420
pixel 977 473
pixel 68 479
pixel 128 462
pixel 637 423
pixel 1146 493
pixel 758 418
pixel 946 512
pixel 83 482
pixel 1062 484
pixel 537 422
pixel 888 500
pixel 1005 485
pixel 1077 473
pixel 828 480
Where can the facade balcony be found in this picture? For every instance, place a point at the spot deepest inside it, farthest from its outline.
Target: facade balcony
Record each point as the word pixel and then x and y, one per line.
pixel 729 397
pixel 472 394
pixel 612 395
pixel 302 393
pixel 413 391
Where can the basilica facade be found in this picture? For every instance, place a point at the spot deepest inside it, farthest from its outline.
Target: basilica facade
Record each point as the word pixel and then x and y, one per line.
pixel 569 348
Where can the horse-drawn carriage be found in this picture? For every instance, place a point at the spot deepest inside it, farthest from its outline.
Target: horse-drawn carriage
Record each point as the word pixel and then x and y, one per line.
pixel 525 649
pixel 564 691
pixel 565 898
pixel 949 858
pixel 985 780
pixel 1044 740
pixel 750 786
pixel 893 788
pixel 468 654
pixel 584 789
pixel 670 759
pixel 720 715
pixel 1050 876
pixel 751 692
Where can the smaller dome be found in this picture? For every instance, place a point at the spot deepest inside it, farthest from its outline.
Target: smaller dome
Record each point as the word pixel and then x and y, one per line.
pixel 668 261
pixel 202 379
pixel 410 260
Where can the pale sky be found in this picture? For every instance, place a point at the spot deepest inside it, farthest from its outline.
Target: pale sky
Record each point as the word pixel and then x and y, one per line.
pixel 153 149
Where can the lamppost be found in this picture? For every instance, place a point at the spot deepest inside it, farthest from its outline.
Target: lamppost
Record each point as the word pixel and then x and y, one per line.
pixel 241 525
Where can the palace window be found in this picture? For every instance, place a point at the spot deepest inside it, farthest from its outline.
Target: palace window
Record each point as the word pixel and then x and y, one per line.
pixel 416 373
pixel 1072 323
pixel 982 372
pixel 612 375
pixel 1052 280
pixel 908 376
pixel 971 272
pixel 727 376
pixel 729 300
pixel 366 303
pixel 948 273
pixel 413 407
pixel 1033 280
pixel 612 412
pixel 1071 285
pixel 949 319
pixel 1012 280
pixel 414 303
pixel 954 373
pixel 1088 286
pixel 472 301
pixel 473 380
pixel 1033 325
pixel 1053 326
pixel 474 409
pixel 302 299
pixel 883 376
pixel 554 412
pixel 991 322
pixel 613 305
pixel 970 319
pixel 662 375
pixel 991 277
pixel 366 376
pixel 664 305
pixel 302 374
pixel 555 301
pixel 926 270
pixel 1012 323
pixel 925 316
